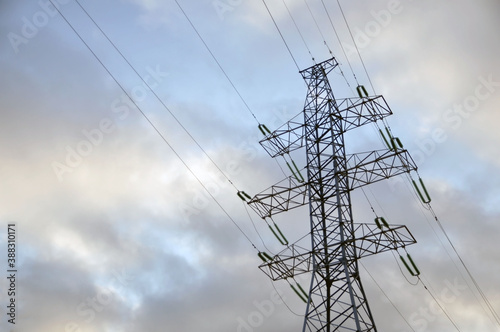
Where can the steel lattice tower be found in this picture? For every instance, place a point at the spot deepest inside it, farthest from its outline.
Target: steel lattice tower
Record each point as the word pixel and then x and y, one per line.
pixel 336 299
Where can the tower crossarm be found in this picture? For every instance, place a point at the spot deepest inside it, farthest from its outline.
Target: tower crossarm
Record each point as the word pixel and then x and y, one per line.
pixel 363 169
pixel 355 112
pixel 283 196
pixel 369 167
pixel 289 263
pixel 285 139
pixel 369 240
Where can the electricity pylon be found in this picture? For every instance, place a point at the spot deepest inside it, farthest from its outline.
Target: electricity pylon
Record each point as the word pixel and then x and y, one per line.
pixel 336 299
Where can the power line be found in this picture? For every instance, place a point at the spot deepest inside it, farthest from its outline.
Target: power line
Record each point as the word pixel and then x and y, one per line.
pixel 156 95
pixel 255 227
pixel 387 297
pixel 283 300
pixel 153 126
pixel 317 26
pixel 426 204
pixel 495 315
pixel 485 299
pixel 279 31
pixel 216 61
pixel 222 69
pixel 419 279
pixel 298 30
pixel 166 108
pixel 356 46
pixel 340 42
pixel 429 207
pixel 440 306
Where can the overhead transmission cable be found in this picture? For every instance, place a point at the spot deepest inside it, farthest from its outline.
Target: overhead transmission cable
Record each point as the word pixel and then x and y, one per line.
pixel 317 26
pixel 478 288
pixel 440 306
pixel 261 127
pixel 171 113
pixel 356 46
pixel 161 101
pixel 340 43
pixel 428 206
pixel 153 125
pixel 300 33
pixel 387 297
pixel 156 95
pixel 216 61
pixel 414 284
pixel 425 203
pixel 398 263
pixel 224 72
pixel 417 275
pixel 486 300
pixel 283 300
pixel 424 200
pixel 279 31
pixel 327 46
pixel 255 227
pixel 164 105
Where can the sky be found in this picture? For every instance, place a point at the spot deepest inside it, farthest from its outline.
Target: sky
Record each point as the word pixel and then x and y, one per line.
pixel 114 230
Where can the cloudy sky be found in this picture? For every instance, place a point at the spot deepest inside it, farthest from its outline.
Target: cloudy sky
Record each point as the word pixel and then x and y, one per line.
pixel 114 232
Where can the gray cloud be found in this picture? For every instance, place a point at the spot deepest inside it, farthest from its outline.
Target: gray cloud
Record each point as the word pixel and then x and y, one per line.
pixel 112 248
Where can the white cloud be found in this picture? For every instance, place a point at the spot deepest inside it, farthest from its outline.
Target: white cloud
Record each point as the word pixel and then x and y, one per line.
pixel 120 209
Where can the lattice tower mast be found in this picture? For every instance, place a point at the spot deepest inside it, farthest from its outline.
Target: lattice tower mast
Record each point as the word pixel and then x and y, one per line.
pixel 336 300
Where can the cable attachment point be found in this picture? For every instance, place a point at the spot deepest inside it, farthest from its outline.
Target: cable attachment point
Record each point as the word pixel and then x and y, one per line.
pixel 300 292
pixel 296 173
pixel 281 238
pixel 264 130
pixel 393 143
pixel 362 93
pixel 244 196
pixel 427 198
pixel 381 222
pixel 264 256
pixel 413 273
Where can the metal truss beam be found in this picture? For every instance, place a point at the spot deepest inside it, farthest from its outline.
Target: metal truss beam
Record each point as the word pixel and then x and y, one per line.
pixel 363 169
pixel 336 300
pixel 370 240
pixel 355 112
